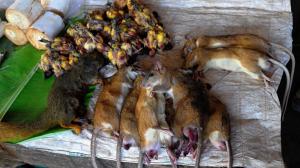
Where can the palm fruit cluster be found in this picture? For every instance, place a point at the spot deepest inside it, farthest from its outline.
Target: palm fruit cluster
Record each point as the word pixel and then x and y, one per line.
pixel 60 56
pixel 156 38
pixel 122 30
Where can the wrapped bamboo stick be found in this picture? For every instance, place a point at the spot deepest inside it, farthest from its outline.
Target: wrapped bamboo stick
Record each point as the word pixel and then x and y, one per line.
pixel 60 7
pixel 46 27
pixel 24 12
pixel 4 4
pixel 15 34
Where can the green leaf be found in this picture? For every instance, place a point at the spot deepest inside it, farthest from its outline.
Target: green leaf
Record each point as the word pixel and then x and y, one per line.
pixel 32 101
pixel 15 72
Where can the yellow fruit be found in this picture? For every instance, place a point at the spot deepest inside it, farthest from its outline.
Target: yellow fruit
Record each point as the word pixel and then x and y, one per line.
pixel 107 29
pixel 111 56
pixel 111 14
pixel 161 36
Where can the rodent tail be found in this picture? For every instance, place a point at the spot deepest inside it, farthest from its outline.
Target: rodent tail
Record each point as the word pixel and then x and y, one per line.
pixel 290 54
pixel 141 159
pixel 93 147
pixel 229 154
pixel 288 85
pixel 17 132
pixel 293 63
pixel 118 154
pixel 199 147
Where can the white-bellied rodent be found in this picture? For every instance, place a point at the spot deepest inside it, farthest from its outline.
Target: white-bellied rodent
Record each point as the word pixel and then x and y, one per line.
pixel 245 41
pixel 217 129
pixel 190 104
pixel 251 62
pixel 248 41
pixel 129 135
pixel 109 105
pixel 152 135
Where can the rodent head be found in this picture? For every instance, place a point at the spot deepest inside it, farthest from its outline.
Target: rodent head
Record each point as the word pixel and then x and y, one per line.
pixel 157 81
pixel 201 41
pixel 189 46
pixel 193 57
pixel 91 64
pixel 132 74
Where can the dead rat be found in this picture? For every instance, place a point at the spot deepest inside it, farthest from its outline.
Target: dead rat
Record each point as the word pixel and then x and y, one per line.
pixel 109 105
pixel 152 135
pixel 217 129
pixel 247 41
pixel 249 61
pixel 128 123
pixel 190 104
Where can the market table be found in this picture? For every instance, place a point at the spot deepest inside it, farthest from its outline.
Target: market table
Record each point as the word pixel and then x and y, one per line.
pixel 254 109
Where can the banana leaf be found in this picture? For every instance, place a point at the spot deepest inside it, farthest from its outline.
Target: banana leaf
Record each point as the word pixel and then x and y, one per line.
pixel 15 72
pixel 32 100
pixel 23 88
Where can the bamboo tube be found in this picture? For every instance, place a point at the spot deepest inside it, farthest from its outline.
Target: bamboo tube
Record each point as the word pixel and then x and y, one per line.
pixel 24 12
pixel 15 34
pixel 46 27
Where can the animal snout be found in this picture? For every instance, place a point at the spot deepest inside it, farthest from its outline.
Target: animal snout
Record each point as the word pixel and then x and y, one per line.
pixel 220 145
pixel 152 154
pixel 127 146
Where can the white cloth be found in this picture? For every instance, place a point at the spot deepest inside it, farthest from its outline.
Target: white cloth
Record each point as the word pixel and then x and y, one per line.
pixel 254 109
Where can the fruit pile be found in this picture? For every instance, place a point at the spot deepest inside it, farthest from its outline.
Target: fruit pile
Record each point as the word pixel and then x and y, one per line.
pixel 124 29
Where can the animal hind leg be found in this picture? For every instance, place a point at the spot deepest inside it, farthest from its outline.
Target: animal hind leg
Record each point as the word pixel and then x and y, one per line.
pixel 75 128
pixel 172 157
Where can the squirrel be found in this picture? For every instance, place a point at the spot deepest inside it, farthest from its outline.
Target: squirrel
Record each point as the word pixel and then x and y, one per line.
pixel 65 102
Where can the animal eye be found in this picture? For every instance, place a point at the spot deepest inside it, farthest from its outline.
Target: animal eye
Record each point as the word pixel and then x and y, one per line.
pixel 150 75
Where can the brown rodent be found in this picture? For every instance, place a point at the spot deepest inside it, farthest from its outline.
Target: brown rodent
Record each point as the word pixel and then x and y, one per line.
pixel 109 105
pixel 248 41
pixel 217 129
pixel 65 102
pixel 129 135
pixel 232 59
pixel 151 134
pixel 171 60
pixel 249 61
pixel 190 104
